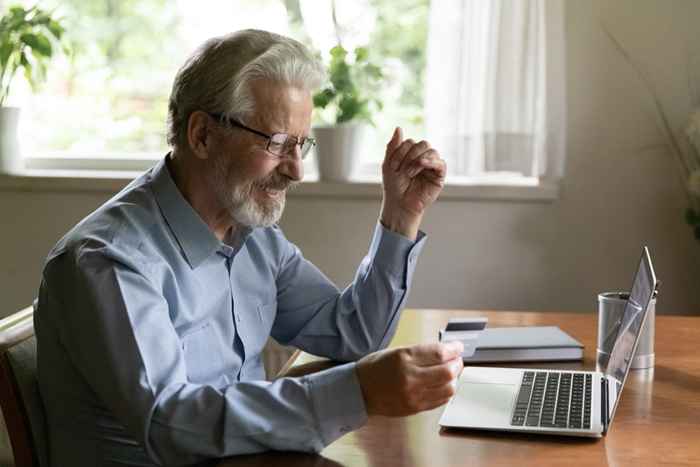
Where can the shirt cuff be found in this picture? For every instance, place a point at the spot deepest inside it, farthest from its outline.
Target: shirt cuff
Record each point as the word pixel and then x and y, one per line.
pixel 394 252
pixel 337 401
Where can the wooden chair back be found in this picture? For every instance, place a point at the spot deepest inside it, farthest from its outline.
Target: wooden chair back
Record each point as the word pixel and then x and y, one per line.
pixel 21 403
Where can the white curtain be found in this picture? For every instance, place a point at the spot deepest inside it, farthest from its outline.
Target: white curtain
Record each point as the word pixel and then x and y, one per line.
pixel 495 86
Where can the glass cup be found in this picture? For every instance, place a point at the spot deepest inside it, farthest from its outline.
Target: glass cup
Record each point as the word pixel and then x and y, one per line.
pixel 611 307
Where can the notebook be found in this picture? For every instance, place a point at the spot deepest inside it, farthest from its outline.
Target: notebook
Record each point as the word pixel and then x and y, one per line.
pixel 516 344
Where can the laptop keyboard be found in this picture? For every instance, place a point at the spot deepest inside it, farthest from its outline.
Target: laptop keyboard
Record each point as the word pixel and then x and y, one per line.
pixel 553 399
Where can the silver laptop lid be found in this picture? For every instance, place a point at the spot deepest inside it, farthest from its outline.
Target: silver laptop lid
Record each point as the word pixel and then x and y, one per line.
pixel 643 290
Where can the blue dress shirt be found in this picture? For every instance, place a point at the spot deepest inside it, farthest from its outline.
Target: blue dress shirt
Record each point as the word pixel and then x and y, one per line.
pixel 150 331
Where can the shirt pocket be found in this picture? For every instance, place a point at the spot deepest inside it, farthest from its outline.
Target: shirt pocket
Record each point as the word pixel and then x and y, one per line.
pixel 267 312
pixel 260 329
pixel 202 354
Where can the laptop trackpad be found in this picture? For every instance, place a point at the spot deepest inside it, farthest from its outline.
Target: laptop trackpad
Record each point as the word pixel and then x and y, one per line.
pixel 484 404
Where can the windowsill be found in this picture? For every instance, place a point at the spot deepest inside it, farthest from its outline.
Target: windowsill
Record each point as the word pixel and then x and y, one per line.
pixel 104 181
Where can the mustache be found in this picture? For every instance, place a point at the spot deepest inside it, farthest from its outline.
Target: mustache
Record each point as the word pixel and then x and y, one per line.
pixel 277 184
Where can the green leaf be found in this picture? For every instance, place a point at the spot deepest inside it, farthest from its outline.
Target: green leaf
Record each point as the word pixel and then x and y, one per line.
pixel 38 42
pixel 361 54
pixel 323 98
pixel 340 77
pixel 26 64
pixel 56 28
pixel 350 107
pixel 338 52
pixel 5 52
pixel 20 18
pixel 691 217
pixel 45 47
pixel 29 39
pixel 17 12
pixel 41 17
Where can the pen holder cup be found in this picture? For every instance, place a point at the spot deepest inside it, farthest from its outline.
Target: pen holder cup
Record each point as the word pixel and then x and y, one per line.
pixel 611 307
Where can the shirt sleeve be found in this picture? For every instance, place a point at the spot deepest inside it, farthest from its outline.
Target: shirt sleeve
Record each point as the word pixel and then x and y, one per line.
pixel 313 315
pixel 116 329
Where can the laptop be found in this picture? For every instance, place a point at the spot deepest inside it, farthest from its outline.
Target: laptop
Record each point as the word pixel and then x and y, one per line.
pixel 556 402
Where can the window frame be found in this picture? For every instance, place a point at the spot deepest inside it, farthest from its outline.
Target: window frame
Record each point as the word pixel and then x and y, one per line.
pixel 107 175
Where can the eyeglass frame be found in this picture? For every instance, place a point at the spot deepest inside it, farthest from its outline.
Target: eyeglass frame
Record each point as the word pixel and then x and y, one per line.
pixel 282 155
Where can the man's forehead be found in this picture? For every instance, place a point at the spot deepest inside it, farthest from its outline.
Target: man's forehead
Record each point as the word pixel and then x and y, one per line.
pixel 275 93
pixel 280 106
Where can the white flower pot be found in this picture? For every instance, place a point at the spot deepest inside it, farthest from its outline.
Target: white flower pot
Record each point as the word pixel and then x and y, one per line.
pixel 10 157
pixel 339 149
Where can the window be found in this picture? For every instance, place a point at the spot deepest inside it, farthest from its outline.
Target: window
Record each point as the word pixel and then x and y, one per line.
pixel 495 100
pixel 104 105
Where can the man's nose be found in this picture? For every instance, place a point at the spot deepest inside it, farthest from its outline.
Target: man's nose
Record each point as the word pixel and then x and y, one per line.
pixel 292 166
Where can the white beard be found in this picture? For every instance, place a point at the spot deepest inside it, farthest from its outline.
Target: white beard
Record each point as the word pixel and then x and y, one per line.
pixel 245 210
pixel 240 200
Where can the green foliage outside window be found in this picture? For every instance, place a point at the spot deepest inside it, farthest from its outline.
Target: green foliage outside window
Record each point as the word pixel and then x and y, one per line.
pixel 117 77
pixel 402 34
pixel 27 40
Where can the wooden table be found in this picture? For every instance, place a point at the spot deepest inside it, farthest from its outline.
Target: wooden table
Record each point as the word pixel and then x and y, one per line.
pixel 657 422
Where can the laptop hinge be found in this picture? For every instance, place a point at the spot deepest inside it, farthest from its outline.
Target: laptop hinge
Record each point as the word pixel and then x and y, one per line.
pixel 604 403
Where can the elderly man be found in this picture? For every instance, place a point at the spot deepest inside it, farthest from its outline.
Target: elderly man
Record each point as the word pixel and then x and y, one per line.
pixel 153 311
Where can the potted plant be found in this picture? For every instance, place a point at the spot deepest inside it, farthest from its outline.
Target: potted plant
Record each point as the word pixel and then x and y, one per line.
pixel 27 39
pixel 348 102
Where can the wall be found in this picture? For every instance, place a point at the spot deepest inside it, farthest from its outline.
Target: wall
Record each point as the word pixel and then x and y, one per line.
pixel 621 191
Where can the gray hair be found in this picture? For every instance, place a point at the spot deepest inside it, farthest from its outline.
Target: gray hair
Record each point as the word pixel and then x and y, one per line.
pixel 217 77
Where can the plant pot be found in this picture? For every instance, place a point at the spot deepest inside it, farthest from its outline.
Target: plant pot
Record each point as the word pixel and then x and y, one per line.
pixel 339 149
pixel 10 157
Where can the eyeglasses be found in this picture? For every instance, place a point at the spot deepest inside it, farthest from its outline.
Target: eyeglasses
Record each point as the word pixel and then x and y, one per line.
pixel 280 145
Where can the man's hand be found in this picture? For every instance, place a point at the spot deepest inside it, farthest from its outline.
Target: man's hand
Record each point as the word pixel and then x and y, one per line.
pixel 413 175
pixel 408 380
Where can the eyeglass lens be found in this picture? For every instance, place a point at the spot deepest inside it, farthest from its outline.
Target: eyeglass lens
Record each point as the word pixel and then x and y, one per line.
pixel 281 144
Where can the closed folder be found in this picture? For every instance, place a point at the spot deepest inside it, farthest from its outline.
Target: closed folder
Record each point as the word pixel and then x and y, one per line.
pixel 517 344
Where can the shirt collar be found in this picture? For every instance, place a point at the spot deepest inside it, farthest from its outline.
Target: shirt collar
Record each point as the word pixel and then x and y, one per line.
pixel 195 238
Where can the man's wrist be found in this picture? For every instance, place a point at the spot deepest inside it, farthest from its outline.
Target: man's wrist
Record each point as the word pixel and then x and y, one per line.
pixel 401 223
pixel 338 401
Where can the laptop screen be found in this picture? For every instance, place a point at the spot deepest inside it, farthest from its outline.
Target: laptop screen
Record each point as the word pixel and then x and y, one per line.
pixel 643 289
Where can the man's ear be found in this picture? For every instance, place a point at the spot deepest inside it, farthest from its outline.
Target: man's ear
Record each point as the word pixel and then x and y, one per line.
pixel 198 134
